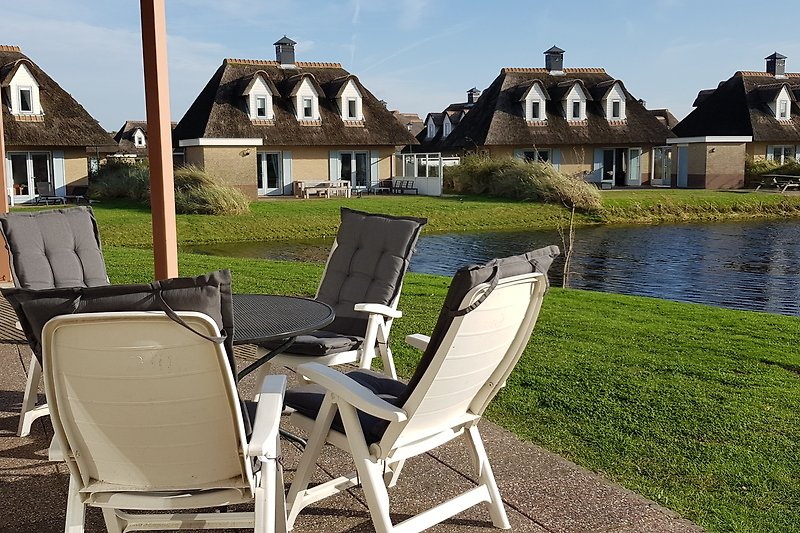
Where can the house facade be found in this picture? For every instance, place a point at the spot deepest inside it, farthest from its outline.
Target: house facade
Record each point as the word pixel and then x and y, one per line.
pixel 439 126
pixel 131 140
pixel 49 136
pixel 751 115
pixel 261 125
pixel 581 120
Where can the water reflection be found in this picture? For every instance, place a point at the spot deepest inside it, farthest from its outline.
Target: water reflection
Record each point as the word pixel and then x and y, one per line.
pixel 751 265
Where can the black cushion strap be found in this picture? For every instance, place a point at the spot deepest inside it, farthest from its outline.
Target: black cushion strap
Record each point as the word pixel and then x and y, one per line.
pixel 175 318
pixel 492 284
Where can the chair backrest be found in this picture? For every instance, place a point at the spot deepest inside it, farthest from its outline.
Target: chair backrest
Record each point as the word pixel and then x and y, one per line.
pixel 44 188
pixel 143 404
pixel 54 248
pixel 366 265
pixel 482 331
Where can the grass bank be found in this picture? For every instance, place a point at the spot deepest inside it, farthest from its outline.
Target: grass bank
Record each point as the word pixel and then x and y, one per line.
pixel 692 406
pixel 128 224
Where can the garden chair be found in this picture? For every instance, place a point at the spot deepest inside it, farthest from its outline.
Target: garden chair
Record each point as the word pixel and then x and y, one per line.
pixel 51 249
pixel 46 194
pixel 147 417
pixel 482 330
pixel 362 282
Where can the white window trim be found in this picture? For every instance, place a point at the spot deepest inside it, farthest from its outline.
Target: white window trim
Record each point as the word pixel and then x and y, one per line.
pixel 536 114
pixel 256 98
pixel 309 108
pixel 573 116
pixel 783 110
pixel 616 109
pixel 354 114
pixel 30 99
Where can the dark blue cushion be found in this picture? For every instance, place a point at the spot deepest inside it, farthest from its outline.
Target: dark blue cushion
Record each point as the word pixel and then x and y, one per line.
pixel 307 400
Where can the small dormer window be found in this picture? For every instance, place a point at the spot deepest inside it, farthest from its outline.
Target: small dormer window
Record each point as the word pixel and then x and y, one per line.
pixel 25 100
pixel 616 109
pixel 349 99
pixel 446 128
pixel 352 108
pixel 536 110
pixel 308 108
pixel 576 110
pixel 783 111
pixel 431 129
pixel 261 106
pixel 138 138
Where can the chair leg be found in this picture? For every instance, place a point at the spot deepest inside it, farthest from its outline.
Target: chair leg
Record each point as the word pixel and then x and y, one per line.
pixel 114 524
pixel 302 475
pixel 393 474
pixel 385 351
pixel 75 510
pixel 30 411
pixel 369 471
pixel 486 477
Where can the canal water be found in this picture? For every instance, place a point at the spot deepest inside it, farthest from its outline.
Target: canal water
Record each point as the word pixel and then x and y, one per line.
pixel 742 265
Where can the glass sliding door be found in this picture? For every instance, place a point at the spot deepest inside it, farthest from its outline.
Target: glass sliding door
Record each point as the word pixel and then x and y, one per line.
pixel 354 167
pixel 270 180
pixel 26 170
pixel 361 170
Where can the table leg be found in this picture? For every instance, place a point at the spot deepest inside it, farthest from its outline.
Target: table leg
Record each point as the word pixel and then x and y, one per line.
pixel 266 358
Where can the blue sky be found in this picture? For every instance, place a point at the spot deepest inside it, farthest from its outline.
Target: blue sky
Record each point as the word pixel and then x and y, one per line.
pixel 418 55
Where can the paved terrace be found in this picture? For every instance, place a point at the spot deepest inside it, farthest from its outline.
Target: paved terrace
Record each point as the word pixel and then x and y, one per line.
pixel 542 492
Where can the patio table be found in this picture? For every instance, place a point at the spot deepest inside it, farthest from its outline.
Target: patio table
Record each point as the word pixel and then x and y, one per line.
pixel 265 317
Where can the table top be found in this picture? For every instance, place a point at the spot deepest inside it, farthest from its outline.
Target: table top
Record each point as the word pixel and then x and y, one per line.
pixel 265 317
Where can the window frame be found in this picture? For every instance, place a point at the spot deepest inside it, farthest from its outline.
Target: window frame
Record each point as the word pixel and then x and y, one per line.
pixel 536 109
pixel 308 110
pixel 352 108
pixel 783 109
pixel 616 109
pixel 29 90
pixel 537 155
pixel 258 108
pixel 576 104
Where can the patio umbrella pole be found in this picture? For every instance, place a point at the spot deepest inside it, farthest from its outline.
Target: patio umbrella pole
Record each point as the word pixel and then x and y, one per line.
pixel 5 265
pixel 159 142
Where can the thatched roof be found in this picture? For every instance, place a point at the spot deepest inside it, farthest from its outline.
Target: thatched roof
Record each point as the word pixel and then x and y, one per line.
pixel 64 123
pixel 739 107
pixel 124 137
pixel 219 111
pixel 498 117
pixel 405 119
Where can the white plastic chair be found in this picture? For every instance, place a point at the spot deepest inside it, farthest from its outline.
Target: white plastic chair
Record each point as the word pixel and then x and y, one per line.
pixel 147 417
pixel 469 359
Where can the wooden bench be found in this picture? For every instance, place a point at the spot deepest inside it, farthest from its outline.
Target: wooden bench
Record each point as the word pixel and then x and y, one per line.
pixel 323 189
pixel 400 186
pixel 779 181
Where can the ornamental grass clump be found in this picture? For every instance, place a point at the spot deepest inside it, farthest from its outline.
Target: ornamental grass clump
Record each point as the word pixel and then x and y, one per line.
pixel 118 178
pixel 513 178
pixel 197 192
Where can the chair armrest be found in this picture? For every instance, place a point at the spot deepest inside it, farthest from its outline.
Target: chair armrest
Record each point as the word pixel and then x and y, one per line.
pixel 418 341
pixel 351 392
pixel 378 309
pixel 268 415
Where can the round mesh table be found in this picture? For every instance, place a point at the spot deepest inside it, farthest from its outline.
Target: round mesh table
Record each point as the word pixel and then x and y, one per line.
pixel 265 317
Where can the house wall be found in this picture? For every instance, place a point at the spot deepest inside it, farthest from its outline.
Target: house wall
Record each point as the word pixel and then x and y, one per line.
pixel 756 150
pixel 234 166
pixel 725 165
pixel 76 167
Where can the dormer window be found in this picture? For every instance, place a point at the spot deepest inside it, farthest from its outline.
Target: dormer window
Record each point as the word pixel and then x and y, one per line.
pixel 447 127
pixel 26 100
pixel 138 138
pixel 536 110
pixel 431 129
pixel 259 94
pixel 306 94
pixel 576 110
pixel 781 105
pixel 350 101
pixel 574 102
pixel 533 103
pixel 613 102
pixel 615 109
pixel 308 108
pixel 783 109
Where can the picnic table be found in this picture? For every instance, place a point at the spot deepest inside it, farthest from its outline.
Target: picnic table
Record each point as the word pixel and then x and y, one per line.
pixel 779 181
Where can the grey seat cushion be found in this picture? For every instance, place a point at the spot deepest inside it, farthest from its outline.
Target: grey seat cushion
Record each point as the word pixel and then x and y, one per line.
pixel 209 294
pixel 54 248
pixel 371 257
pixel 307 400
pixel 319 343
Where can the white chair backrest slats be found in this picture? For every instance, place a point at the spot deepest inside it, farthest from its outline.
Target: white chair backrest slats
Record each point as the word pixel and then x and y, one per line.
pixel 141 401
pixel 478 346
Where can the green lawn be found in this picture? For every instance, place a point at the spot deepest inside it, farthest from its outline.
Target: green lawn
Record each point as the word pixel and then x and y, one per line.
pixel 692 406
pixel 128 224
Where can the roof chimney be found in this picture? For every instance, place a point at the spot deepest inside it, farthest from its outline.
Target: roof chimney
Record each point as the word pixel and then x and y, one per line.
pixel 554 60
pixel 776 65
pixel 473 95
pixel 284 51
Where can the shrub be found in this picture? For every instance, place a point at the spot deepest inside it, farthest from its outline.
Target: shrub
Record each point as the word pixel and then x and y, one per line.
pixel 513 178
pixel 197 192
pixel 120 178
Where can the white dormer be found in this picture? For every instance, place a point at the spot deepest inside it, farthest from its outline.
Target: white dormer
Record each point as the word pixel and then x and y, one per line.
pixel 23 92
pixel 350 101
pixel 139 139
pixel 447 126
pixel 533 103
pixel 614 102
pixel 782 105
pixel 260 93
pixel 575 103
pixel 306 100
pixel 431 128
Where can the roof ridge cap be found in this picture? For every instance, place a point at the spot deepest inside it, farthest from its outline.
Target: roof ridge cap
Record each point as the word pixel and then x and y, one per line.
pixel 10 48
pixel 323 64
pixel 239 61
pixel 537 70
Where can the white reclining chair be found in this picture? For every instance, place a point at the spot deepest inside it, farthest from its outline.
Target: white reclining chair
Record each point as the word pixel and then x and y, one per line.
pixel 362 282
pixel 483 328
pixel 51 249
pixel 147 416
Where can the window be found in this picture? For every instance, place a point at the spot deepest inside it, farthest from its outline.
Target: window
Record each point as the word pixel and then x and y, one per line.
pixel 354 167
pixel 781 154
pixel 352 112
pixel 29 168
pixel 25 100
pixel 615 109
pixel 431 129
pixel 447 128
pixel 308 108
pixel 536 110
pixel 261 106
pixel 576 110
pixel 783 111
pixel 269 173
pixel 138 138
pixel 536 156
